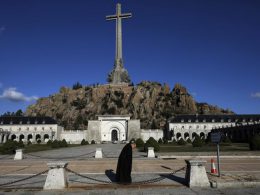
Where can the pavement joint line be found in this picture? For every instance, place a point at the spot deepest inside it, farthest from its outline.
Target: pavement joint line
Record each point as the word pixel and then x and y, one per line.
pixel 176 157
pixel 137 173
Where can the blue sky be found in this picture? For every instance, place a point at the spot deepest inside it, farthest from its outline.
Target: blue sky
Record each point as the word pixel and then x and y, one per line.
pixel 210 47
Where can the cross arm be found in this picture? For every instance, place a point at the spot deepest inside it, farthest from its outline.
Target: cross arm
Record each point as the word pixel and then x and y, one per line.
pixel 127 15
pixel 111 17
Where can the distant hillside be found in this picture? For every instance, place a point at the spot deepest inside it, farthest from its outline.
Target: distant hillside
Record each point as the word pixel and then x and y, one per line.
pixel 150 102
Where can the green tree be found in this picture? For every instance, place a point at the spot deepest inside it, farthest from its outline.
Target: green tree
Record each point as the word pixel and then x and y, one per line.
pixel 76 86
pixel 19 113
pixel 139 143
pixel 254 142
pixel 197 142
pixel 181 142
pixel 151 142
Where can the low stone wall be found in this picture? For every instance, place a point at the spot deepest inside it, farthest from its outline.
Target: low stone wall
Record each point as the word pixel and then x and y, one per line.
pixel 74 136
pixel 155 133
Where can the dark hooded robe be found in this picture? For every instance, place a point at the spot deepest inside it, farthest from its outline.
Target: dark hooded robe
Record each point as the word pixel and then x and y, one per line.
pixel 124 165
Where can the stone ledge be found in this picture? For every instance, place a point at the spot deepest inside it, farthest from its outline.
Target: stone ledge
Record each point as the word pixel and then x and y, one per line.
pixel 215 184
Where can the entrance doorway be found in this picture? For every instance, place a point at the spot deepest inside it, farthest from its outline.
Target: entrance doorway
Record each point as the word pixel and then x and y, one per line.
pixel 114 135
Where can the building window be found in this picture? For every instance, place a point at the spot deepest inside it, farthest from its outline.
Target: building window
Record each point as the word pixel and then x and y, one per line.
pixel 21 122
pixel 182 120
pixel 50 128
pixel 35 128
pixel 43 128
pixel 19 129
pixel 222 120
pixel 2 122
pixel 11 122
pixel 213 120
pixel 229 120
pixel 28 122
pixel 36 122
pixel 190 127
pixel 28 128
pixel 189 120
pixel 182 127
pixel 197 120
pixel 43 122
pixel 198 126
pixel 204 120
pixel 205 126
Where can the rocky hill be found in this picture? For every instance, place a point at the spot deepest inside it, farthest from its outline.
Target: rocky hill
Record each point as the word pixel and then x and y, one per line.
pixel 150 102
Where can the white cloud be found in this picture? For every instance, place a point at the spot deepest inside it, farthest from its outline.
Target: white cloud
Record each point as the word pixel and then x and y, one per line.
pixel 15 96
pixel 255 95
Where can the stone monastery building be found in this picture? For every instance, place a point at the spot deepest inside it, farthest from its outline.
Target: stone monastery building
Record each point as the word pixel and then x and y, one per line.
pixel 108 128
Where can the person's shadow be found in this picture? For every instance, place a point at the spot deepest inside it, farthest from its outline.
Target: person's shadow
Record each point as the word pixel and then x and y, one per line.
pixel 111 175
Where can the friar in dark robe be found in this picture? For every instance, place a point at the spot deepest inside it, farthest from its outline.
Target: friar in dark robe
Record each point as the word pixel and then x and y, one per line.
pixel 124 164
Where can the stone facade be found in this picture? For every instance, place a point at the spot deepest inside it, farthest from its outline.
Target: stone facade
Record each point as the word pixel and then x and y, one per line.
pixel 29 129
pixel 187 126
pixel 155 133
pixel 111 128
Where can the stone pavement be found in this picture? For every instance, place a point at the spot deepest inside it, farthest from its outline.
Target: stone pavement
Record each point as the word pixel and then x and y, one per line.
pixel 236 172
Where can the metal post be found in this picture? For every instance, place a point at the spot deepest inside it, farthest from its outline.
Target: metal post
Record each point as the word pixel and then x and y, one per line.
pixel 218 160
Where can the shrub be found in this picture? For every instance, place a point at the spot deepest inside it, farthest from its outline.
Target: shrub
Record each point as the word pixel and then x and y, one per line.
pixel 226 139
pixel 83 142
pixel 181 142
pixel 188 140
pixel 29 143
pixel 76 86
pixel 9 147
pixel 20 144
pixel 165 141
pixel 254 142
pixel 55 144
pixel 64 143
pixel 49 142
pixel 197 142
pixel 151 142
pixel 139 143
pixel 93 142
pixel 173 142
pixel 160 141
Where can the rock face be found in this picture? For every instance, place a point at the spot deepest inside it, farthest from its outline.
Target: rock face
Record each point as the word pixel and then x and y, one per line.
pixel 150 102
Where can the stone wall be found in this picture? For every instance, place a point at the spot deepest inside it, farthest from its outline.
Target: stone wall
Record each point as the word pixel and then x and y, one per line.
pixel 155 133
pixel 93 132
pixel 73 136
pixel 133 129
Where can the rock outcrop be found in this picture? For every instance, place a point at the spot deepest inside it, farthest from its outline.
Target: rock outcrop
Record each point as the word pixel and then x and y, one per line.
pixel 150 102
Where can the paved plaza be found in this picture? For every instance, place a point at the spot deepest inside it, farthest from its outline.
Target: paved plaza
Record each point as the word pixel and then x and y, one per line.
pixel 88 175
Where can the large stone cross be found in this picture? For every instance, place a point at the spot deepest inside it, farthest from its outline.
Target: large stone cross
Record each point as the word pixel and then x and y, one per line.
pixel 118 17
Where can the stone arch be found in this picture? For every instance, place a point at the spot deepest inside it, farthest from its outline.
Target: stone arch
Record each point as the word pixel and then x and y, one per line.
pixel 114 132
pixel 30 137
pixel 38 137
pixel 178 136
pixel 114 125
pixel 202 135
pixel 186 136
pixel 21 137
pixel 13 137
pixel 194 134
pixel 46 137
